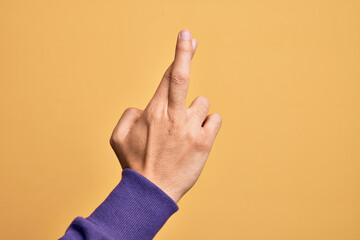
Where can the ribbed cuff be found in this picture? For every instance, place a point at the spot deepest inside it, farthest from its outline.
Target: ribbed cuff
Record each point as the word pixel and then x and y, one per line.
pixel 135 209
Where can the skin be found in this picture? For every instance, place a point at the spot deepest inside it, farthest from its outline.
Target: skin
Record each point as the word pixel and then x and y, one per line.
pixel 166 142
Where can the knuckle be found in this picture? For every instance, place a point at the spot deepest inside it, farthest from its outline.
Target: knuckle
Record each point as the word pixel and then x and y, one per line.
pixel 154 116
pixel 179 77
pixel 192 136
pixel 201 145
pixel 184 48
pixel 114 140
pixel 199 142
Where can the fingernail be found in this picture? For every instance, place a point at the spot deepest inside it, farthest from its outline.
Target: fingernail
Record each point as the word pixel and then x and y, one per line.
pixel 194 44
pixel 185 34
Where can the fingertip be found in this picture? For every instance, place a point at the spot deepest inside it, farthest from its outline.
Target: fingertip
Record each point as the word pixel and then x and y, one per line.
pixel 217 119
pixel 185 34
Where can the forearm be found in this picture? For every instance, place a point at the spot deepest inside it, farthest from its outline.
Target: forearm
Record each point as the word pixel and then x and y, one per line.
pixel 135 209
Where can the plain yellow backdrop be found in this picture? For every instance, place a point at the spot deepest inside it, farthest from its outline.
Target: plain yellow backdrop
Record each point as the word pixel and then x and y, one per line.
pixel 284 75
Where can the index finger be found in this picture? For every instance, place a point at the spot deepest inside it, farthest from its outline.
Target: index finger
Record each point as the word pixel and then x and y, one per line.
pixel 180 73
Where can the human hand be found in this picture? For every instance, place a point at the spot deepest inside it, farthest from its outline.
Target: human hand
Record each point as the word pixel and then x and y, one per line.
pixel 168 143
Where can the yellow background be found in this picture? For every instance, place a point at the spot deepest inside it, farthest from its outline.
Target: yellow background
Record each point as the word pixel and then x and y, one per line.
pixel 284 75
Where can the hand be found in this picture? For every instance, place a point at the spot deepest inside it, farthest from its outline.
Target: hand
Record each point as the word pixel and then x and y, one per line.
pixel 168 143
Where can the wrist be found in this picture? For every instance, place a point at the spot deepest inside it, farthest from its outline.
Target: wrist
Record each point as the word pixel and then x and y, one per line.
pixel 165 185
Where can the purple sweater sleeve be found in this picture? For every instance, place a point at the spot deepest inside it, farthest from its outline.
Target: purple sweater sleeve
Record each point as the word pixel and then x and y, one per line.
pixel 135 209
